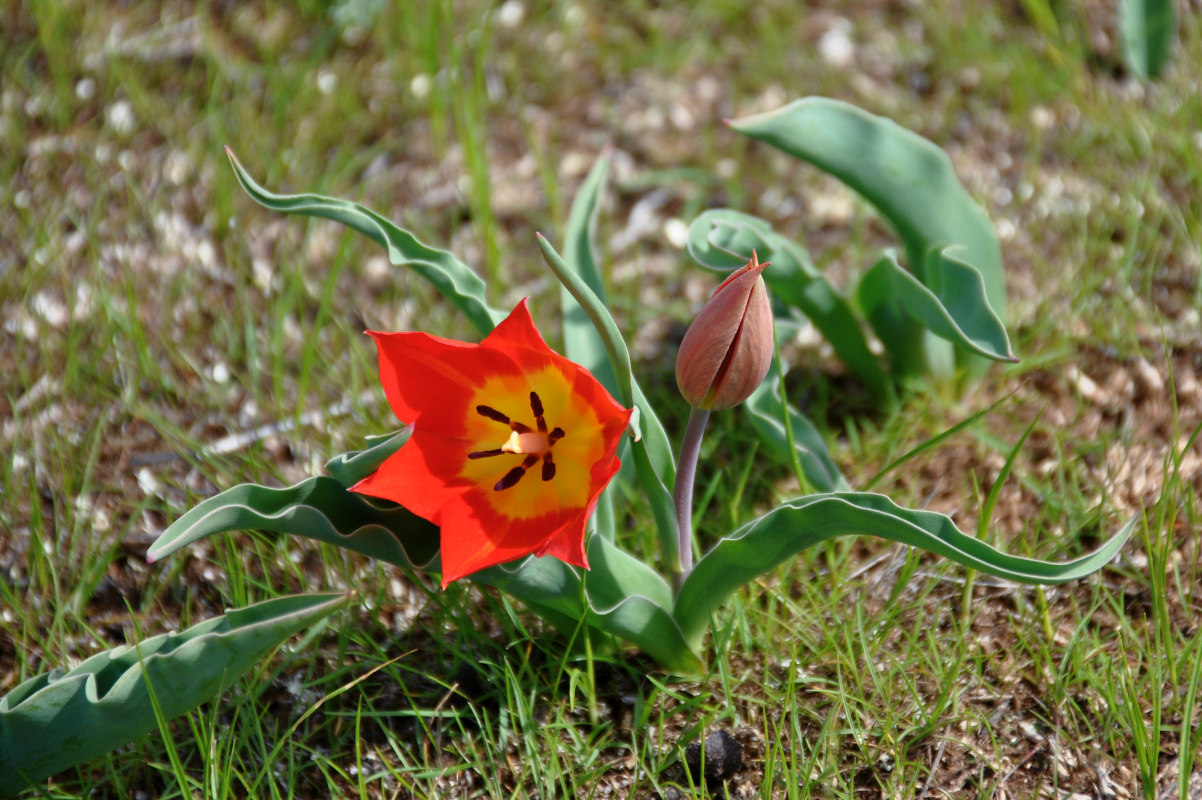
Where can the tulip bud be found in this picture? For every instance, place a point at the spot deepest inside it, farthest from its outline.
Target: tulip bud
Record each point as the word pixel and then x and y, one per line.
pixel 728 348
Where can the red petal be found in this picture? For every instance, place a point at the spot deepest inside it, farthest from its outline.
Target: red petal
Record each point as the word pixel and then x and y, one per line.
pixel 474 537
pixel 421 476
pixel 430 380
pixel 517 330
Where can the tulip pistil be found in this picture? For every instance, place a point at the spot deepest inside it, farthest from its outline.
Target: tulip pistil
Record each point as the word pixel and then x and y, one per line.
pixel 533 443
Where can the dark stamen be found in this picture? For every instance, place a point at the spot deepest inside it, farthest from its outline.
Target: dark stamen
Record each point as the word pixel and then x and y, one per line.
pixel 555 435
pixel 529 461
pixel 519 427
pixel 492 413
pixel 510 480
pixel 548 468
pixel 536 405
pixel 485 453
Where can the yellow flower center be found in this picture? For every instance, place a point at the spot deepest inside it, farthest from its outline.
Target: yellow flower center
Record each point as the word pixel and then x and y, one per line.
pixel 523 440
pixel 502 420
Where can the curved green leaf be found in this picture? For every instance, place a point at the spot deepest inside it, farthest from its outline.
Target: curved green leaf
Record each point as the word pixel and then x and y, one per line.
pixel 56 720
pixel 908 178
pixel 792 527
pixel 350 468
pixel 722 239
pixel 633 602
pixel 618 595
pixel 652 453
pixel 454 279
pixel 581 342
pixel 950 284
pixel 319 508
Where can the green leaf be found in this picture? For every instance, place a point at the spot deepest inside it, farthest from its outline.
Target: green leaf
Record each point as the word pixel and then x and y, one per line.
pixel 319 508
pixel 721 240
pixel 1149 29
pixel 764 409
pixel 454 279
pixel 908 178
pixel 633 602
pixel 618 595
pixel 952 304
pixel 56 720
pixel 652 453
pixel 350 468
pixel 788 529
pixel 581 341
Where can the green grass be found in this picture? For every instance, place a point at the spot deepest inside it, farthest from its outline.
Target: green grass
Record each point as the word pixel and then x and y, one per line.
pixel 151 309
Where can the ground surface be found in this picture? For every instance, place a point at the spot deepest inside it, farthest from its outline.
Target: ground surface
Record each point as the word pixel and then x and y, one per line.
pixel 150 311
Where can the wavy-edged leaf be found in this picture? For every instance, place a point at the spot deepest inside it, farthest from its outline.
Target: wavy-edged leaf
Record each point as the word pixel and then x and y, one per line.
pixel 450 276
pixel 1149 29
pixel 350 468
pixel 56 720
pixel 319 508
pixel 951 304
pixel 766 413
pixel 909 179
pixel 722 239
pixel 788 529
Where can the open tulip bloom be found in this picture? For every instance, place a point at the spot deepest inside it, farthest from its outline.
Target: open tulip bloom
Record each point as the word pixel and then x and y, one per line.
pixel 500 473
pixel 511 444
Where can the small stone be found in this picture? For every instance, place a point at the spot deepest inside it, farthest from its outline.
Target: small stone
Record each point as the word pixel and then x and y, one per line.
pixel 723 757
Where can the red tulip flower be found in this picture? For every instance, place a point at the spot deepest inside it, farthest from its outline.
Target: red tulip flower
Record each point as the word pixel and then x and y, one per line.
pixel 511 445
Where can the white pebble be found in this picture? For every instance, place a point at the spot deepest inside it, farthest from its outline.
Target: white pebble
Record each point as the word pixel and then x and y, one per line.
pixel 147 482
pixel 85 89
pixel 511 14
pixel 419 86
pixel 120 117
pixel 676 231
pixel 835 47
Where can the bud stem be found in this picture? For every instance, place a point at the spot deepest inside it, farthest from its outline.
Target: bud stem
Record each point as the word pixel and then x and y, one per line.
pixel 682 493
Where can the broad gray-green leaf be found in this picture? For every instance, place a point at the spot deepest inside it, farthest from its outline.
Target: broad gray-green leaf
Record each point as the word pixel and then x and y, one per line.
pixel 454 279
pixel 908 178
pixel 721 240
pixel 619 595
pixel 633 602
pixel 319 508
pixel 350 468
pixel 950 284
pixel 1149 29
pixel 788 529
pixel 765 411
pixel 56 720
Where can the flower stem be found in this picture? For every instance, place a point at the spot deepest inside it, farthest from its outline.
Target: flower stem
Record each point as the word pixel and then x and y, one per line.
pixel 682 493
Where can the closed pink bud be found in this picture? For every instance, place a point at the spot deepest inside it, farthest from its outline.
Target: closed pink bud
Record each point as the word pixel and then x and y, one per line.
pixel 728 348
